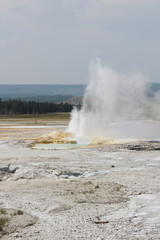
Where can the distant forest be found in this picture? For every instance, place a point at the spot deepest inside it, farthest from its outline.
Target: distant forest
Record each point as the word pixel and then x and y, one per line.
pixel 10 107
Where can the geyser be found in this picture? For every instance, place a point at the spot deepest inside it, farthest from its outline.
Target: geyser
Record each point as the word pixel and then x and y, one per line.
pixel 116 107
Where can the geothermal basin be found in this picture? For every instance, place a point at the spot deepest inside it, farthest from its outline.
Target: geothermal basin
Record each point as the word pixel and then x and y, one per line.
pixel 108 188
pixel 99 191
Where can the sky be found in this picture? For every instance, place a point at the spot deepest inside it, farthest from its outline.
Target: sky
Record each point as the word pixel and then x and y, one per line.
pixel 53 41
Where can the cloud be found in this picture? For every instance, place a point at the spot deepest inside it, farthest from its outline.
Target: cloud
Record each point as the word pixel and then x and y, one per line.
pixel 96 52
pixel 98 3
pixel 67 33
pixel 14 13
pixel 95 9
pixel 6 43
pixel 19 8
pixel 5 5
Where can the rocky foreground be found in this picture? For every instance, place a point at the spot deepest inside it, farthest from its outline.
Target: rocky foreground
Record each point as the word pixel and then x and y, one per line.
pixel 101 192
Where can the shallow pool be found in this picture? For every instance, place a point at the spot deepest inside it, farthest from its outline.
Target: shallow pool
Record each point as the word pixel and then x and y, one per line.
pixel 53 146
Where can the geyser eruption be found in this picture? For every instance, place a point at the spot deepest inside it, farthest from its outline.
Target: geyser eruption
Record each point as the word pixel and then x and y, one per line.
pixel 116 107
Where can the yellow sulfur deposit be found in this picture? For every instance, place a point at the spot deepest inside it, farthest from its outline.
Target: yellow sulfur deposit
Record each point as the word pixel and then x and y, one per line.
pixel 57 138
pixel 102 141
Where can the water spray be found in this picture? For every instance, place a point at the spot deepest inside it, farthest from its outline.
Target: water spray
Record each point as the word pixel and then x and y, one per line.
pixel 116 107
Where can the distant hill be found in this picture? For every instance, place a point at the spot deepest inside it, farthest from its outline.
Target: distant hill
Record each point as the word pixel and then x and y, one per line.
pixel 47 98
pixel 53 93
pixel 155 87
pixel 21 91
pixel 74 100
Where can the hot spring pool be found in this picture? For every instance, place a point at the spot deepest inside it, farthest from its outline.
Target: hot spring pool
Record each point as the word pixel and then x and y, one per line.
pixel 53 146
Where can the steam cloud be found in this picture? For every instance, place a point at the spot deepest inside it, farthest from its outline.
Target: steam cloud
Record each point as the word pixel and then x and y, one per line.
pixel 116 107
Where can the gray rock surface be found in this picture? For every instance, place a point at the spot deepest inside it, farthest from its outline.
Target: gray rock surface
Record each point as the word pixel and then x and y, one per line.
pixel 68 191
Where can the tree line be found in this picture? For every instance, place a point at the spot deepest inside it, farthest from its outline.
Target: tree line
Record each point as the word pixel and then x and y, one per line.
pixel 10 107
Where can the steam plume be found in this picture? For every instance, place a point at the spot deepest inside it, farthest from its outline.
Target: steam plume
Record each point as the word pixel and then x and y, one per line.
pixel 116 107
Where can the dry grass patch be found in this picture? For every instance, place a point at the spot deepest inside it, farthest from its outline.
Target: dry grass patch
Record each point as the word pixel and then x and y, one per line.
pixel 12 220
pixel 73 192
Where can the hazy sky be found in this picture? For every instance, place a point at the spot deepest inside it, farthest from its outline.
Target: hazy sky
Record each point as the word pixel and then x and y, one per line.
pixel 52 41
